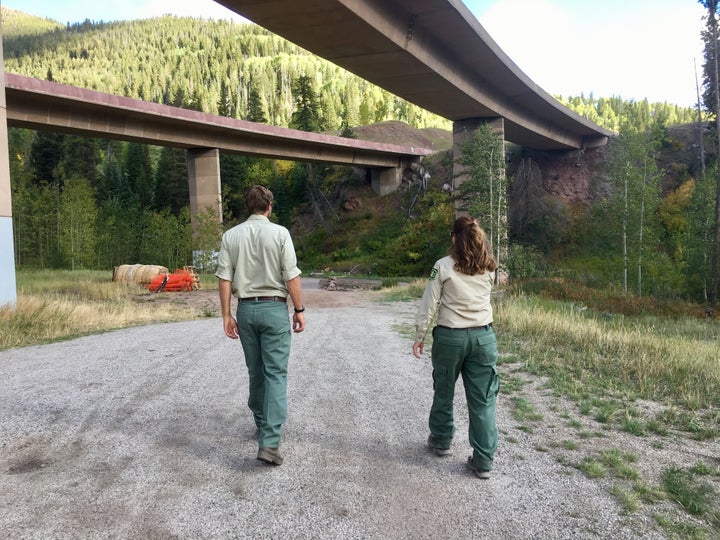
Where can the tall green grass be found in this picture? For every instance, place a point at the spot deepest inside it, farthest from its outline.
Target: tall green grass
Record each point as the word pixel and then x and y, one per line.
pixel 674 361
pixel 588 353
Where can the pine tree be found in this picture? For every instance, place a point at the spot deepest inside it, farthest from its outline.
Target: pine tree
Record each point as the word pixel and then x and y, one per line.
pixel 307 113
pixel 225 101
pixel 172 191
pixel 46 153
pixel 81 157
pixel 138 170
pixel 351 114
pixel 256 110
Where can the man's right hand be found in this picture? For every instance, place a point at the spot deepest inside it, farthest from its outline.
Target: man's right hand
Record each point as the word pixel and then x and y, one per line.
pixel 298 322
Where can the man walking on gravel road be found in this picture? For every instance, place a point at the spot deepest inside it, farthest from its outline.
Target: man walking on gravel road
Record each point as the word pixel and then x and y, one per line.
pixel 257 265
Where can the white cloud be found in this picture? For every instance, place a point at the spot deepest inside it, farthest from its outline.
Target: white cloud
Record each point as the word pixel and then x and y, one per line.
pixel 638 49
pixel 527 31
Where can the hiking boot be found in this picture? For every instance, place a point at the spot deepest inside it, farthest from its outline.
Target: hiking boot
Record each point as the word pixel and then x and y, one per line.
pixel 270 455
pixel 482 474
pixel 432 444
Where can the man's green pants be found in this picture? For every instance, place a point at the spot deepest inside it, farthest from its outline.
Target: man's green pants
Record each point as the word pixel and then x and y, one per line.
pixel 473 354
pixel 265 336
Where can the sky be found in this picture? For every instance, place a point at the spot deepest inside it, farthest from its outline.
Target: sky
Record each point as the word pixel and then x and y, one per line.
pixel 633 49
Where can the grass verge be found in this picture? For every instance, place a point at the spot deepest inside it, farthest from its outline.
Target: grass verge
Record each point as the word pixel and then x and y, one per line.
pixel 590 355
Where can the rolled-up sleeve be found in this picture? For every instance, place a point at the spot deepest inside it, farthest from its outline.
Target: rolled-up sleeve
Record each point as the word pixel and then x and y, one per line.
pixel 288 259
pixel 226 265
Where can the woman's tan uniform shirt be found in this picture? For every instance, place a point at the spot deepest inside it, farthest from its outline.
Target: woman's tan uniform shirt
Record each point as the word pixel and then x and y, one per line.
pixel 258 257
pixel 461 301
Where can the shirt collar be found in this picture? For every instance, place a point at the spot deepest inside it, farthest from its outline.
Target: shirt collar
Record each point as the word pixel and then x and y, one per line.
pixel 258 217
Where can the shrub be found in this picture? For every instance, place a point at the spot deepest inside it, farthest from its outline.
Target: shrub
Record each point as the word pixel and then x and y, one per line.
pixel 525 262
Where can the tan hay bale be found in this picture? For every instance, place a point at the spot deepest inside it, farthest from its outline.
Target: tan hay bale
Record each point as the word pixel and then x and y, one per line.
pixel 139 274
pixel 121 272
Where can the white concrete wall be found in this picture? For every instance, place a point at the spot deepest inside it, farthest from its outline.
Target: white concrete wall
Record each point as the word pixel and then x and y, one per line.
pixel 8 288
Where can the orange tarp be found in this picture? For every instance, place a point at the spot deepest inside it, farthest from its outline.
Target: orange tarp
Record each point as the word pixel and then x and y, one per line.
pixel 179 280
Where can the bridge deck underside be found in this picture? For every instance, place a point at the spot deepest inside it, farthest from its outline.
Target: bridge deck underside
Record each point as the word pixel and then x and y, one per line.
pixel 432 53
pixel 37 104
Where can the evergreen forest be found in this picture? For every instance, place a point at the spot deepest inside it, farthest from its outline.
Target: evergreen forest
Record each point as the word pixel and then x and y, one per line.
pixel 647 229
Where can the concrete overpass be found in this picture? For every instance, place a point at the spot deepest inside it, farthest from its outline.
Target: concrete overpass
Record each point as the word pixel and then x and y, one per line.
pixel 44 105
pixel 433 53
pixel 37 104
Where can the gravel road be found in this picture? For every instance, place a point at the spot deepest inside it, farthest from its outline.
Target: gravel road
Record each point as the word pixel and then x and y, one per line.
pixel 144 433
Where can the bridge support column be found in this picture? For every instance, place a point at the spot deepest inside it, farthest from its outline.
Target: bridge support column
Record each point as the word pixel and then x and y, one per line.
pixel 387 179
pixel 462 131
pixel 204 179
pixel 8 288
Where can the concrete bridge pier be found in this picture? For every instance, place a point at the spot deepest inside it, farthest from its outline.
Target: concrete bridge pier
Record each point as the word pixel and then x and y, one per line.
pixel 203 166
pixel 8 287
pixel 462 131
pixel 385 180
pixel 204 178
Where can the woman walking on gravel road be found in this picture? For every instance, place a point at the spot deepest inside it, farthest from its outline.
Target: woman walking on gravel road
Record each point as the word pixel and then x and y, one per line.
pixel 458 289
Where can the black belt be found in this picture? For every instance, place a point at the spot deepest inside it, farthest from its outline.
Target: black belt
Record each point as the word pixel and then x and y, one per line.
pixel 484 327
pixel 264 299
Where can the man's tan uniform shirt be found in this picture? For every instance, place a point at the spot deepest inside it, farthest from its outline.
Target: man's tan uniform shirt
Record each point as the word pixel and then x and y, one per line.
pixel 258 257
pixel 461 301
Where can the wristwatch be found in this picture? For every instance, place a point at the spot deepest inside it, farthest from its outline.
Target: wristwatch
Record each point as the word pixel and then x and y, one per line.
pixel 299 310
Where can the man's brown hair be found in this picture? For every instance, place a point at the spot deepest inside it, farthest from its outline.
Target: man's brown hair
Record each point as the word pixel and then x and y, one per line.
pixel 257 199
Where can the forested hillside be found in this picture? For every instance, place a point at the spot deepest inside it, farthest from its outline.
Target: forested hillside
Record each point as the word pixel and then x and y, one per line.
pixel 20 26
pixel 612 112
pixel 219 67
pixel 95 204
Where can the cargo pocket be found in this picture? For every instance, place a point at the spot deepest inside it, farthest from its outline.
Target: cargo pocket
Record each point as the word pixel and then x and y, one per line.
pixel 447 354
pixel 494 386
pixel 484 365
pixel 486 349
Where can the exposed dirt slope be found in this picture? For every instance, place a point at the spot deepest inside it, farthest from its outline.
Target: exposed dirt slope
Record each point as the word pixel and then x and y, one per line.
pixel 400 133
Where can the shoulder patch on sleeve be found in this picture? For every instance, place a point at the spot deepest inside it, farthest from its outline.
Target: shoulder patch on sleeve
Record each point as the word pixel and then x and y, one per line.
pixel 433 273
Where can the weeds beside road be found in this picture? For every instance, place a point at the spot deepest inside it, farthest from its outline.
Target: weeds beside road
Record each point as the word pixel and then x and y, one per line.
pixel 578 380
